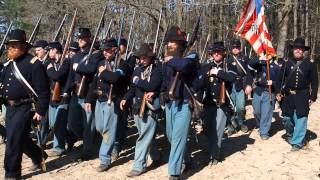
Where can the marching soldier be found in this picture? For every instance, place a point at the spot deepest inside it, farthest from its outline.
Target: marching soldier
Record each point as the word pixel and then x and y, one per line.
pixel 57 73
pixel 23 83
pixel 107 115
pixel 81 123
pixel 145 90
pixel 300 90
pixel 217 77
pixel 122 123
pixel 40 49
pixel 73 49
pixel 178 114
pixel 263 101
pixel 240 86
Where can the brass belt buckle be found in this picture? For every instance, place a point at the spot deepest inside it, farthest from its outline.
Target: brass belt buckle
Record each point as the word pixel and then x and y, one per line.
pixel 293 92
pixel 99 92
pixel 11 103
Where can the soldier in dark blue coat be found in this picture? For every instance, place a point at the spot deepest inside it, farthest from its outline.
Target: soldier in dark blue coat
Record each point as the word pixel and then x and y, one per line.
pixel 129 63
pixel 80 122
pixel 300 88
pixel 40 48
pixel 57 74
pixel 213 75
pixel 178 113
pixel 241 86
pixel 145 86
pixel 24 83
pixel 263 100
pixel 107 110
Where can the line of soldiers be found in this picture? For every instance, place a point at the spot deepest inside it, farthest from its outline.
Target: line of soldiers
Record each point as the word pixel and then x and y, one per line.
pixel 142 82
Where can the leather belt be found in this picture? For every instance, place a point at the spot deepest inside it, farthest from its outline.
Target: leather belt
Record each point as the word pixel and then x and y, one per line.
pixel 16 103
pixel 294 92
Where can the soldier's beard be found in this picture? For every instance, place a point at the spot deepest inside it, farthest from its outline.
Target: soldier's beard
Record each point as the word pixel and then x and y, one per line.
pixel 174 51
pixel 14 54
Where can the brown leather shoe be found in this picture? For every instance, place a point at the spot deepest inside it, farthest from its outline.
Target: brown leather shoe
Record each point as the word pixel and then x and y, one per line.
pixel 134 173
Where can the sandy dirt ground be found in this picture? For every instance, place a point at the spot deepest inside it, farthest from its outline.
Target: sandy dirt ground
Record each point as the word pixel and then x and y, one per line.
pixel 246 156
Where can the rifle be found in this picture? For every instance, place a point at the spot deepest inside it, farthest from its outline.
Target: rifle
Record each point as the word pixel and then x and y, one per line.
pixel 56 94
pixel 285 59
pixel 116 58
pixel 189 45
pixel 55 38
pixel 33 34
pixel 4 38
pixel 130 34
pixel 222 97
pixel 107 32
pixel 161 44
pixel 144 101
pixel 83 87
pixel 205 48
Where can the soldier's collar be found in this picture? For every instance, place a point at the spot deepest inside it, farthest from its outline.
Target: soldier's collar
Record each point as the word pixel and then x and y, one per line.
pixel 85 50
pixel 217 63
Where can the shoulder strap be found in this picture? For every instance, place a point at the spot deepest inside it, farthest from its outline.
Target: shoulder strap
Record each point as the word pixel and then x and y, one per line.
pixel 240 68
pixel 22 80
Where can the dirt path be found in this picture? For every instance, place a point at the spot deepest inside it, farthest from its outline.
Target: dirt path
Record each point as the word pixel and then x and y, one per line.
pixel 246 157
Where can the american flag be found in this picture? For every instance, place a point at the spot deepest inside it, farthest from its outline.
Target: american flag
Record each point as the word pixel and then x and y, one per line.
pixel 252 26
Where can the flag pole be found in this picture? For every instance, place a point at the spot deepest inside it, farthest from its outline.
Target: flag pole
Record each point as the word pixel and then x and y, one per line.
pixel 266 54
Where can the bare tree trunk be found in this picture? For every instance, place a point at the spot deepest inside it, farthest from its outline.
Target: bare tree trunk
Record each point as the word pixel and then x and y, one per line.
pixel 314 43
pixel 307 30
pixel 283 27
pixel 295 19
pixel 179 8
pixel 302 18
pixel 220 35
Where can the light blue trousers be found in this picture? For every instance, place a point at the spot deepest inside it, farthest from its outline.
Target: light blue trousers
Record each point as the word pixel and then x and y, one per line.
pixel 178 118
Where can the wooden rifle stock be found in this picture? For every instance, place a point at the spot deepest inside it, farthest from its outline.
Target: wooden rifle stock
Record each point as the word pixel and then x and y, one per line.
pixel 83 88
pixel 173 86
pixel 56 94
pixel 222 97
pixel 143 106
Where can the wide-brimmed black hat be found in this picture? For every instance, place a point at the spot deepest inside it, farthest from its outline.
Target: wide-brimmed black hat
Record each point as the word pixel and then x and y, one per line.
pixel 216 46
pixel 144 50
pixel 235 43
pixel 40 43
pixel 175 34
pixel 300 42
pixel 109 43
pixel 55 45
pixel 18 35
pixel 74 46
pixel 84 33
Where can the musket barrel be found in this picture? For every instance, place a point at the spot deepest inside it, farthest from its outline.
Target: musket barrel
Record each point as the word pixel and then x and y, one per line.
pixel 5 37
pixel 31 38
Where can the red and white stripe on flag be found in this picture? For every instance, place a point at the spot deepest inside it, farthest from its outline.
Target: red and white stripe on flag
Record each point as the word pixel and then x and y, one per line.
pixel 252 26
